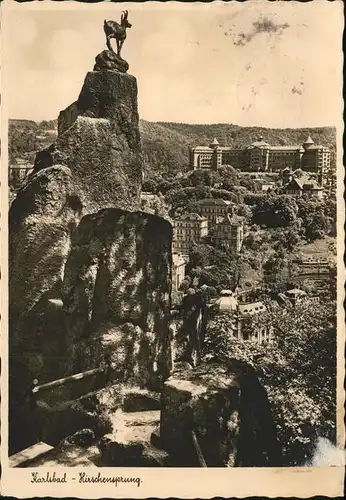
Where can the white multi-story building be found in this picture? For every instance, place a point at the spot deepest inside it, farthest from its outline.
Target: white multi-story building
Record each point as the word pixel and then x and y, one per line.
pixel 260 156
pixel 188 230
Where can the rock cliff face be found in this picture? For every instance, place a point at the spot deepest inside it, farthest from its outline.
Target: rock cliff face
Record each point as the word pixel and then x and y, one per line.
pixel 42 218
pixel 99 141
pixel 89 273
pixel 116 292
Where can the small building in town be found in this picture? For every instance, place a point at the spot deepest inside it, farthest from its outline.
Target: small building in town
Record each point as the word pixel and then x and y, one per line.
pixel 266 186
pixel 295 296
pixel 247 328
pixel 227 302
pixel 179 262
pixel 228 232
pixel 188 230
pixel 18 172
pixel 211 209
pixel 302 185
pixel 243 318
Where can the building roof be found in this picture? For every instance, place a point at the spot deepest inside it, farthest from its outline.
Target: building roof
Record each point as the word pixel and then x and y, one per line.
pixel 308 140
pixel 214 202
pixel 259 144
pixel 294 292
pixel 317 146
pixel 229 148
pixel 283 297
pixel 226 303
pixel 231 219
pixel 303 182
pixel 285 148
pixel 202 148
pixel 251 308
pixel 192 217
pixel 215 142
pixel 225 293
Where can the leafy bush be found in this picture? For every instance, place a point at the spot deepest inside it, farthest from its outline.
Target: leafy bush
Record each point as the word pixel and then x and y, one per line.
pixel 298 370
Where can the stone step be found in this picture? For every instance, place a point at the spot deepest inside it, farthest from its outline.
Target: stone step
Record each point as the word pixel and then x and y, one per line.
pixel 155 438
pixel 28 455
pixel 130 443
pixel 135 427
pixel 154 457
pixel 139 418
pixel 69 455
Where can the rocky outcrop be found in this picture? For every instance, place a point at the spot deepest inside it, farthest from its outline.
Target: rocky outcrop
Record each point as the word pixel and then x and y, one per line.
pixel 108 60
pixel 99 141
pixel 89 272
pixel 42 218
pixel 227 409
pixel 116 293
pixel 190 328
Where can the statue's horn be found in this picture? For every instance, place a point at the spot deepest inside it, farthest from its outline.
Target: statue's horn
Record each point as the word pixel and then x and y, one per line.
pixel 126 13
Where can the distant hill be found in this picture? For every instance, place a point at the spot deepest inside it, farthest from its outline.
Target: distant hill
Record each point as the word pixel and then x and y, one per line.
pixel 26 137
pixel 166 145
pixel 21 124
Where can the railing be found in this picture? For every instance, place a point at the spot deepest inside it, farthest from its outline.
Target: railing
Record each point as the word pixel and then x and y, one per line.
pixel 34 389
pixel 62 381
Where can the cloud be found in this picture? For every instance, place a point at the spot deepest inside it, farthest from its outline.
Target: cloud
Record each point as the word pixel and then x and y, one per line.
pixel 263 25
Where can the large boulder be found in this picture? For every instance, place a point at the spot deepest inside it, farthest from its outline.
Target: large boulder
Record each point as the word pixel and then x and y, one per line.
pixel 226 408
pixel 108 60
pixel 41 221
pixel 116 293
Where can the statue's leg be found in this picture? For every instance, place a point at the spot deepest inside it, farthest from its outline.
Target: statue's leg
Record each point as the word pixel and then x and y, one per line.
pixel 121 46
pixel 109 43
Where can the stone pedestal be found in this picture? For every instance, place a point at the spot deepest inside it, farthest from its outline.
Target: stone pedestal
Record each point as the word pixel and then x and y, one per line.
pixel 108 60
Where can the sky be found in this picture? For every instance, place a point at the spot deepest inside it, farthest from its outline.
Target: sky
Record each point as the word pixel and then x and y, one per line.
pixel 260 63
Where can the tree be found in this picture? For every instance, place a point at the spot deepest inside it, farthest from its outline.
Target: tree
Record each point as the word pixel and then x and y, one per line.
pixel 150 185
pixel 277 272
pixel 298 370
pixel 203 177
pixel 229 176
pixel 286 238
pixel 180 198
pixel 315 217
pixel 249 183
pixel 275 211
pixel 244 211
pixel 316 226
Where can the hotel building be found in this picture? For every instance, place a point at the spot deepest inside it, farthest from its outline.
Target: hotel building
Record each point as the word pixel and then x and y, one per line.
pixel 262 157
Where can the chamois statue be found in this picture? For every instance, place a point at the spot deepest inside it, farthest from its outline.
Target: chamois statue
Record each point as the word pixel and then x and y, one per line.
pixel 115 30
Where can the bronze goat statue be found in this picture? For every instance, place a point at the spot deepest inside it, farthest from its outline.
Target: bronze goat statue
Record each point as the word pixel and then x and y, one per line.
pixel 115 30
